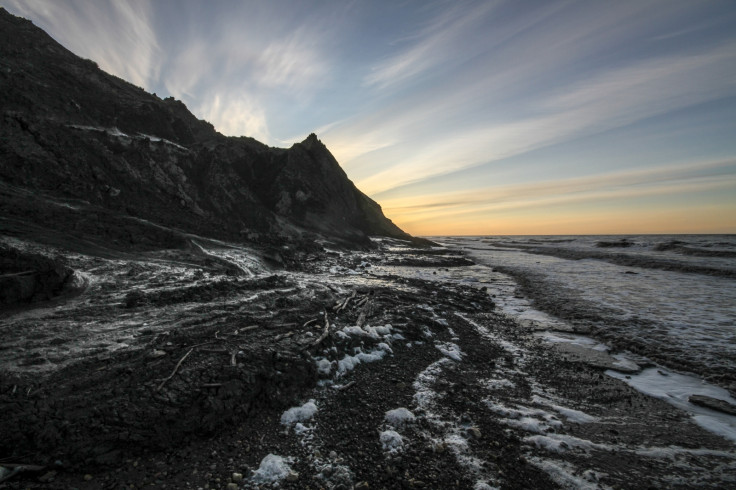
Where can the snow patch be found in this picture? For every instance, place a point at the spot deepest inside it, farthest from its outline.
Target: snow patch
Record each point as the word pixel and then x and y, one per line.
pixel 273 468
pixel 392 441
pixel 349 362
pixel 398 417
pixel 450 350
pixel 324 366
pixel 299 414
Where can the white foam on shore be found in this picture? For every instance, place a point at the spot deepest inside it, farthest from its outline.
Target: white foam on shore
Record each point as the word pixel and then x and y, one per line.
pixel 676 389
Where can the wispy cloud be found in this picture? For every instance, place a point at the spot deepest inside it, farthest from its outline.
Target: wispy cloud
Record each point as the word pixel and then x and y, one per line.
pixel 436 43
pixel 610 99
pixel 117 35
pixel 228 76
pixel 672 179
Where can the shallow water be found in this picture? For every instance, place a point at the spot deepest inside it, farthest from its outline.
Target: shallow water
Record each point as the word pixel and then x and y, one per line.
pixel 677 305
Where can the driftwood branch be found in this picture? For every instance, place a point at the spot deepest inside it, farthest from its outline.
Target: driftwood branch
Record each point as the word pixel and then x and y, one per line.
pixel 341 306
pixel 345 387
pixel 175 369
pixel 322 336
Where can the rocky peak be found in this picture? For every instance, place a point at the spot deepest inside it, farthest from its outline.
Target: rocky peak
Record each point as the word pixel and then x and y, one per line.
pixel 70 131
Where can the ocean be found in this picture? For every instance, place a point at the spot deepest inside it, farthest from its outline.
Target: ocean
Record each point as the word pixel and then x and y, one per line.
pixel 670 299
pixel 664 302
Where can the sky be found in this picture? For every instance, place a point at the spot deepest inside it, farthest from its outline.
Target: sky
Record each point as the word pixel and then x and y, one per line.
pixel 458 117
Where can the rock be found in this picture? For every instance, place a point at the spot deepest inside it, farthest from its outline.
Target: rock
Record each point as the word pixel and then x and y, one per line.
pixel 713 403
pixel 177 171
pixel 237 477
pixel 595 358
pixel 47 477
pixel 232 486
pixel 87 477
pixel 292 476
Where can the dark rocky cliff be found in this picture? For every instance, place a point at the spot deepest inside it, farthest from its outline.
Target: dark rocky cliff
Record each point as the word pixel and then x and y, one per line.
pixel 84 152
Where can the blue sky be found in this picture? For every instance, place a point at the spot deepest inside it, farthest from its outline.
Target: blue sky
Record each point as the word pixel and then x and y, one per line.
pixel 458 117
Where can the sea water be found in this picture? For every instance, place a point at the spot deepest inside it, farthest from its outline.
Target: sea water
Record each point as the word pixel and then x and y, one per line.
pixel 669 298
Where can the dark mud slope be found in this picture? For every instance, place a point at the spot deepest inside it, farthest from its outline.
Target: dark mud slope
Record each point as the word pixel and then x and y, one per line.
pixel 27 277
pixel 215 369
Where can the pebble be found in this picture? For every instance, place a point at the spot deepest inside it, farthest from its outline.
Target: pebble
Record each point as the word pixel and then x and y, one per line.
pixel 87 477
pixel 232 486
pixel 237 477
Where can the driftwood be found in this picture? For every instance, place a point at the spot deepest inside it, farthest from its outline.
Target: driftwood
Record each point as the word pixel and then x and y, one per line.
pixel 322 336
pixel 309 322
pixel 345 387
pixel 175 369
pixel 341 306
pixel 283 336
pixel 361 319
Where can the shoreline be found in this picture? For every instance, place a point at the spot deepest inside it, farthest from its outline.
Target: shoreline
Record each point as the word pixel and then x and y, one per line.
pixel 492 404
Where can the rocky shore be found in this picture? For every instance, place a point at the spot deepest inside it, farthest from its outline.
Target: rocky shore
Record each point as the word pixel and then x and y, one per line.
pixel 205 367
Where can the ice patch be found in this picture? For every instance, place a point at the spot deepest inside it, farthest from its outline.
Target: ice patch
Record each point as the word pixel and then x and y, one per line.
pixel 392 441
pixel 398 417
pixel 299 414
pixel 424 395
pixel 273 468
pixel 558 337
pixel 569 413
pixel 527 419
pixel 562 442
pixel 450 350
pixel 564 474
pixel 676 389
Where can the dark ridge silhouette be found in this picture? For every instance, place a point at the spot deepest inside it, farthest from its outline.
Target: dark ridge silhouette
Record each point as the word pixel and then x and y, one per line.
pixel 85 153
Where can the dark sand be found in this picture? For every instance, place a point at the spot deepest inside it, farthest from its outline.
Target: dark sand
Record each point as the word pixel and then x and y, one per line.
pixel 172 370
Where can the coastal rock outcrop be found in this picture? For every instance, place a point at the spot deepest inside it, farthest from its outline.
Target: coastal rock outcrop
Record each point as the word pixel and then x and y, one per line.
pixel 81 141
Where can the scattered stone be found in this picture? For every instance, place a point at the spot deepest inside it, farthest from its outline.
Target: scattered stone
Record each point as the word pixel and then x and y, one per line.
pixel 237 477
pixel 48 477
pixel 713 403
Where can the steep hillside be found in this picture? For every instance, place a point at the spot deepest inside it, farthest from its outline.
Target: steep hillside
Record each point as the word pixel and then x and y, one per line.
pixel 84 152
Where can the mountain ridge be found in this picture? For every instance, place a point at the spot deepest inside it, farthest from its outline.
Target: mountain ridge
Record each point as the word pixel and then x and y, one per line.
pixel 70 132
